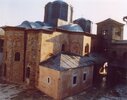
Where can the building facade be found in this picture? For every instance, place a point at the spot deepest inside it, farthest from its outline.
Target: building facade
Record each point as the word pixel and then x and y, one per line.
pixel 65 78
pixel 48 54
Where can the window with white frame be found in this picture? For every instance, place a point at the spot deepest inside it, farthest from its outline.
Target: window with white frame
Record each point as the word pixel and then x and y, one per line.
pixel 84 76
pixel 74 80
pixel 49 80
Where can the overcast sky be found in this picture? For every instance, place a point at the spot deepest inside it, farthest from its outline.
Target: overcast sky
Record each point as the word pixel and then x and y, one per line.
pixel 14 12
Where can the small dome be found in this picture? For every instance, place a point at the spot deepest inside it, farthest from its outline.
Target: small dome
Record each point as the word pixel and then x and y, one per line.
pixel 26 24
pixel 84 23
pixel 59 2
pixel 35 25
pixel 57 9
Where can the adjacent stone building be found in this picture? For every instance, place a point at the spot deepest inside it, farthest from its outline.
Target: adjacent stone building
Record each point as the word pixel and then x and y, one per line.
pixel 110 34
pixel 28 48
pixel 65 74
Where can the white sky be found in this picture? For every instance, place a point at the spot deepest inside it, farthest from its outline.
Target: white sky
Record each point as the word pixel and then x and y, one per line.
pixel 14 12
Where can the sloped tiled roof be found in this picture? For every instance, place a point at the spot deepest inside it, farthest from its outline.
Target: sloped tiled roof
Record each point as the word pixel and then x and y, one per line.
pixel 111 20
pixel 64 61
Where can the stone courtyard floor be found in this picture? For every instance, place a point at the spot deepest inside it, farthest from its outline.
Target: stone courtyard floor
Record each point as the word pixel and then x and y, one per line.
pixel 18 92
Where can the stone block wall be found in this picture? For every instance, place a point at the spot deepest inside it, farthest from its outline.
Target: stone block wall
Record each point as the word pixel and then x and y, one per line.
pixel 13 65
pixel 32 56
pixel 59 84
pixel 51 44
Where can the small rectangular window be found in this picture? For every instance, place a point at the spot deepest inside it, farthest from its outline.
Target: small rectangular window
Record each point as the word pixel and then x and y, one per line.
pixel 84 76
pixel 74 80
pixel 49 80
pixel 28 72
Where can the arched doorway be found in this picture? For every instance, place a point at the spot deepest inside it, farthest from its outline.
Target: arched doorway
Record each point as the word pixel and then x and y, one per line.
pixel 63 47
pixel 87 48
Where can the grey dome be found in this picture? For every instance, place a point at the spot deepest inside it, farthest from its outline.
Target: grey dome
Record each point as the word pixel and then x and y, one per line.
pixel 57 10
pixel 59 2
pixel 84 23
pixel 35 25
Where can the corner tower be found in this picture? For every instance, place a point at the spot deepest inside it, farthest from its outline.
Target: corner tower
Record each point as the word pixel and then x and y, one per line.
pixel 58 10
pixel 111 28
pixel 108 31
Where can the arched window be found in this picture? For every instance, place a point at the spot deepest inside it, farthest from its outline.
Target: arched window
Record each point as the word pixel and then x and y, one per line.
pixel 27 72
pixel 87 48
pixel 17 56
pixel 63 47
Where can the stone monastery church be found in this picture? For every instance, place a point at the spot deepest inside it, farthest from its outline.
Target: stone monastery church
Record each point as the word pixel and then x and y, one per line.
pixel 60 56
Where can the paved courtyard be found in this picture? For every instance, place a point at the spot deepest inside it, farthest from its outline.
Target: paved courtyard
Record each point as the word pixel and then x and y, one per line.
pixel 18 92
pixel 8 91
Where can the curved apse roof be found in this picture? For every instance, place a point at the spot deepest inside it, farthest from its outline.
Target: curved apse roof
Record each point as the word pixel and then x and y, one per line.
pixel 35 25
pixel 71 28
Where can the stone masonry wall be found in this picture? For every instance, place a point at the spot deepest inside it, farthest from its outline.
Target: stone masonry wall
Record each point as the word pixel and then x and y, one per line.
pixel 52 44
pixel 32 57
pixel 14 45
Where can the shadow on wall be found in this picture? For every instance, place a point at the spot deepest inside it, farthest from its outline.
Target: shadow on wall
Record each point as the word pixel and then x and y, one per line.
pixel 60 43
pixel 67 43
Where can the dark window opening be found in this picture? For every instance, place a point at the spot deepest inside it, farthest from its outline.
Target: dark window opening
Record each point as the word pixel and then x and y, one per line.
pixel 48 80
pixel 87 48
pixel 84 76
pixel 17 56
pixel 6 55
pixel 118 33
pixel 1 45
pixel 28 72
pixel 104 32
pixel 5 68
pixel 63 48
pixel 74 80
